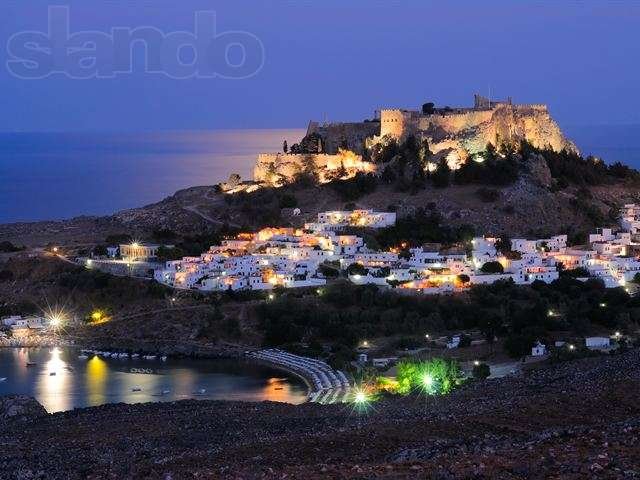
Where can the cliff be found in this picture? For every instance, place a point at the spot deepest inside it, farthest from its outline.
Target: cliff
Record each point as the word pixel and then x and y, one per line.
pixel 454 133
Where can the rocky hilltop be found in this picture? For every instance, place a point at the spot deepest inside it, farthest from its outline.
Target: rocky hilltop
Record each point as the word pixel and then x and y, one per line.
pixel 455 134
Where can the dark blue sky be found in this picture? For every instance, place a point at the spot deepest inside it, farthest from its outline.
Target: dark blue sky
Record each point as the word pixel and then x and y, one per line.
pixel 341 59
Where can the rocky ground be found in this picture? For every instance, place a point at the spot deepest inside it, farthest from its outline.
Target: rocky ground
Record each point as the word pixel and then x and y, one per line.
pixel 573 421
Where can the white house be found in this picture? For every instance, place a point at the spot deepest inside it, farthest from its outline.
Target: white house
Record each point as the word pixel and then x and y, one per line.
pixel 597 342
pixel 538 350
pixel 454 342
pixel 11 321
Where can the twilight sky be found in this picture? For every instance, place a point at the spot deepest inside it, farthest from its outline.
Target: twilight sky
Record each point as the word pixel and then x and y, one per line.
pixel 336 59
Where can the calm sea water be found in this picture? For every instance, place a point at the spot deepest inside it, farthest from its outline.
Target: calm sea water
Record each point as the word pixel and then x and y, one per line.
pixel 50 175
pixel 60 381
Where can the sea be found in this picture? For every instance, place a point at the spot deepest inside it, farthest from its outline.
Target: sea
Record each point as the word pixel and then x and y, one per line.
pixel 48 176
pixel 63 379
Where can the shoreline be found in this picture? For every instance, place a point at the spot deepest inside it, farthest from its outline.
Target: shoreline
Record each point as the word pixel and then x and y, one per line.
pixel 244 357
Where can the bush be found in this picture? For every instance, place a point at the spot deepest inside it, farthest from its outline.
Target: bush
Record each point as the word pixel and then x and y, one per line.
pixel 8 247
pixel 356 187
pixel 481 371
pixel 436 376
pixel 492 267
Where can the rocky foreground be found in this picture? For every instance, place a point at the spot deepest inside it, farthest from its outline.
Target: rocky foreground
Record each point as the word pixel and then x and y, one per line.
pixel 577 420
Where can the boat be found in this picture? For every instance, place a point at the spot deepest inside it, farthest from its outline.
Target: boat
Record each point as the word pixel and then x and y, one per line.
pixel 2 379
pixel 124 355
pixel 166 392
pixel 202 391
pixel 52 374
pixel 136 389
pixel 135 355
pixel 278 388
pixel 163 358
pixel 149 357
pixel 83 357
pixel 31 364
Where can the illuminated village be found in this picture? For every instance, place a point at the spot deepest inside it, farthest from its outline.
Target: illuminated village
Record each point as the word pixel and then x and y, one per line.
pixel 291 258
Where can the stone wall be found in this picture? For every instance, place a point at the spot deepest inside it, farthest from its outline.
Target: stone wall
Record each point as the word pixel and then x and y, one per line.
pixel 471 130
pixel 338 135
pixel 280 168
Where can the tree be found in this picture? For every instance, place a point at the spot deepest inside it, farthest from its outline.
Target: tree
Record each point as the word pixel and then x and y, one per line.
pixel 356 269
pixel 518 345
pixel 428 108
pixel 492 267
pixel 165 254
pixel 288 201
pixel 100 251
pixel 442 176
pixel 481 371
pixel 285 147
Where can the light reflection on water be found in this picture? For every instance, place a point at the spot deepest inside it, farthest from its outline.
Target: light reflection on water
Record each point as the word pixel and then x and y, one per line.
pixel 58 175
pixel 60 381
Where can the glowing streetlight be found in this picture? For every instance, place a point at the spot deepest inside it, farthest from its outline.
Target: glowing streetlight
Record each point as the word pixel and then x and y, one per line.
pixel 603 305
pixel 96 316
pixel 572 347
pixel 55 249
pixel 426 336
pixel 617 334
pixel 427 381
pixel 360 397
pixel 476 362
pixel 365 344
pixel 271 296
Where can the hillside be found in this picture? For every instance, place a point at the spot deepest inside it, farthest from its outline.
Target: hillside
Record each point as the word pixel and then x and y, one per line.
pixel 532 192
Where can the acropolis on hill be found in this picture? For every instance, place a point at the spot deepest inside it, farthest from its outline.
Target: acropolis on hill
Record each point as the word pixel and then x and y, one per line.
pixel 452 133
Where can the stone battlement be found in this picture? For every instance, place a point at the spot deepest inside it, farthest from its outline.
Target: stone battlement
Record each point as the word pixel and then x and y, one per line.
pixel 280 168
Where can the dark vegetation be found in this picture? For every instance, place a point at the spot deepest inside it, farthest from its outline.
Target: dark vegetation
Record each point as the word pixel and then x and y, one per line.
pixel 345 314
pixel 8 247
pixel 424 226
pixel 404 166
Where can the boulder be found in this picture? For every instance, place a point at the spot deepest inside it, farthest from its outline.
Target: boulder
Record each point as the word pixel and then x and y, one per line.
pixel 19 408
